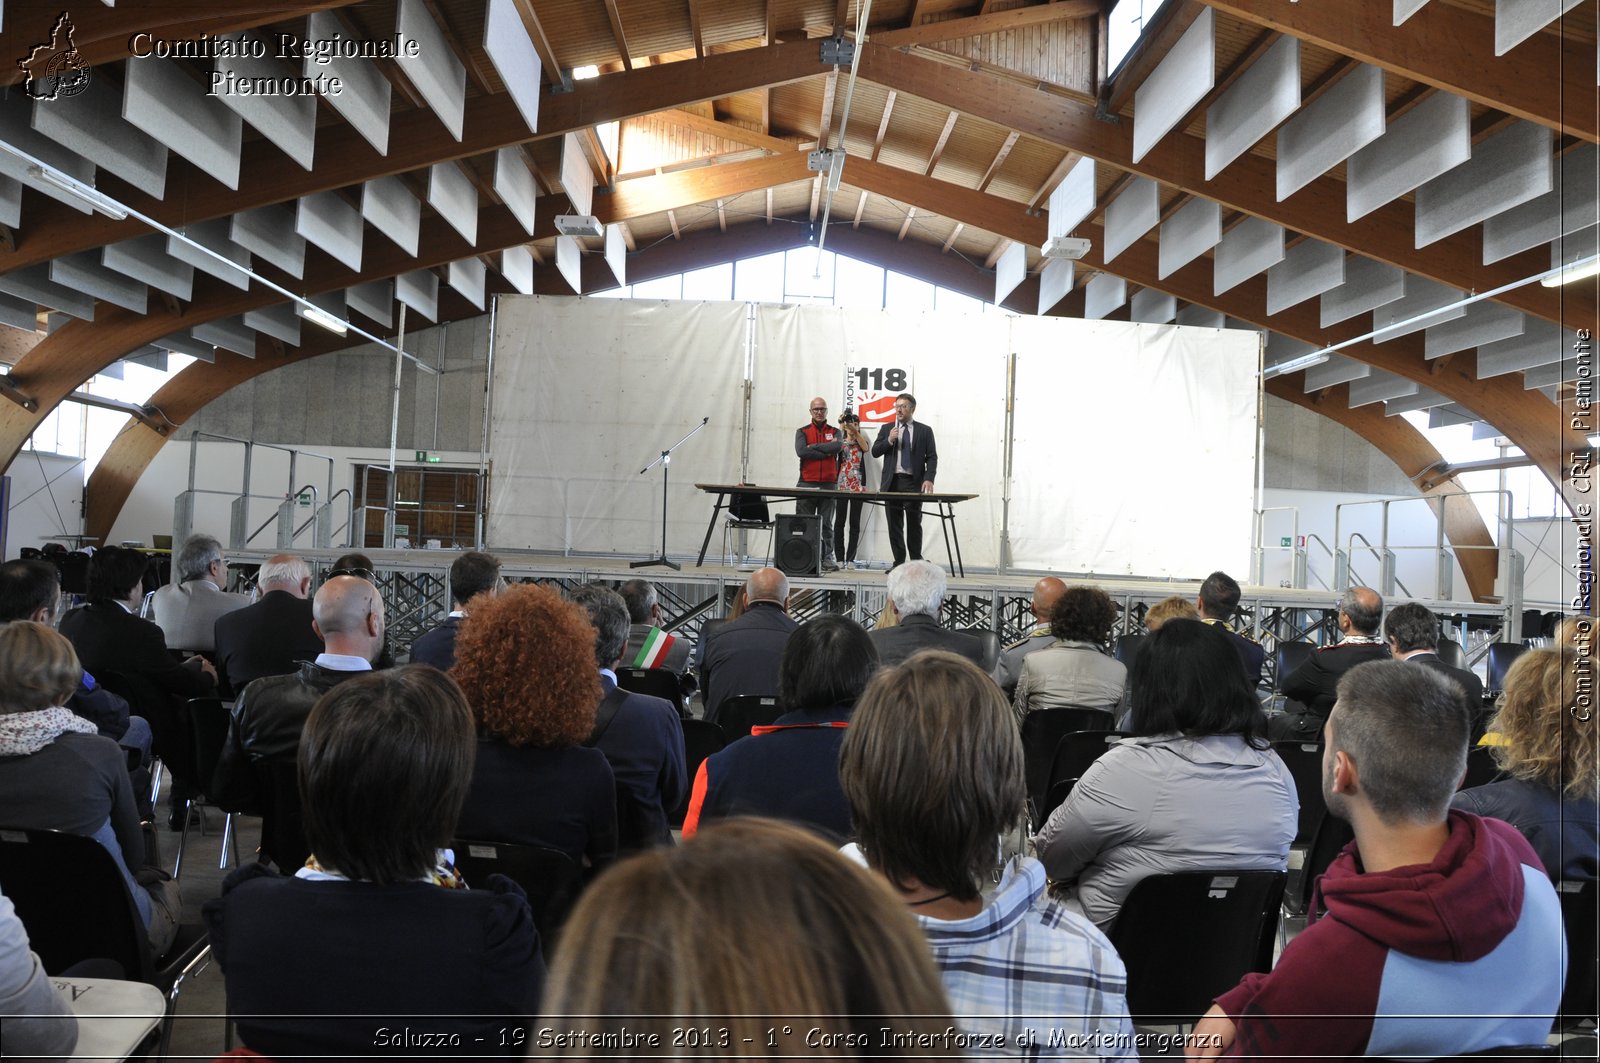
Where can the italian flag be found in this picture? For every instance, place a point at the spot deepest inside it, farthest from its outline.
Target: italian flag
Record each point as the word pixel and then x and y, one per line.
pixel 653 653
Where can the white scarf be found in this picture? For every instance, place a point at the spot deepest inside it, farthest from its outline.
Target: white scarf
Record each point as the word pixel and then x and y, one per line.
pixel 25 733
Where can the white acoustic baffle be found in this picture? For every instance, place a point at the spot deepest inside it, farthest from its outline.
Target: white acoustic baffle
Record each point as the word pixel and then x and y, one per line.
pixel 10 201
pixel 432 66
pixel 213 236
pixel 1404 9
pixel 363 96
pixel 1541 343
pixel 1151 307
pixel 326 220
pixel 1103 294
pixel 1176 86
pixel 375 299
pixel 1424 399
pixel 1569 206
pixel 83 272
pixel 452 193
pixel 1367 286
pixel 1009 271
pixel 1055 281
pixel 229 333
pixel 1336 370
pixel 569 262
pixel 1264 95
pixel 389 204
pixel 1308 269
pixel 1380 386
pixel 516 266
pixel 1433 137
pixel 280 321
pixel 1425 303
pixel 163 100
pixel 419 290
pixel 289 122
pixel 1249 248
pixel 469 277
pixel 19 313
pixel 16 129
pixel 1134 212
pixel 576 176
pixel 185 344
pixel 510 49
pixel 90 124
pixel 1191 231
pixel 1074 198
pixel 1517 20
pixel 617 253
pixel 1483 323
pixel 33 284
pixel 145 259
pixel 1508 168
pixel 1330 129
pixel 515 186
pixel 1198 316
pixel 268 233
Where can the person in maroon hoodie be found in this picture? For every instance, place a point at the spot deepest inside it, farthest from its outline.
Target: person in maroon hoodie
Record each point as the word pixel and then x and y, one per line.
pixel 1435 932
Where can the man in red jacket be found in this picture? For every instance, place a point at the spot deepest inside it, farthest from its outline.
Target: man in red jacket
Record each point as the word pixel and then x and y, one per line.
pixel 817 445
pixel 1435 933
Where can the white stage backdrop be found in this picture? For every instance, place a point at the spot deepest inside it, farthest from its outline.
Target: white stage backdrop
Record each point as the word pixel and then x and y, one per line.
pixel 1135 444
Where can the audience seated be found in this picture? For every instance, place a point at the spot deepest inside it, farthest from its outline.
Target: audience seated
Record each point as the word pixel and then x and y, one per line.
pixel 525 660
pixel 932 766
pixel 755 936
pixel 1195 787
pixel 187 611
pixel 1441 933
pixel 741 656
pixel 36 1019
pixel 377 936
pixel 31 590
pixel 1176 607
pixel 271 636
pixel 1045 593
pixel 360 566
pixel 1074 669
pixel 56 773
pixel 471 574
pixel 110 637
pixel 1218 601
pixel 1553 762
pixel 271 712
pixel 1312 684
pixel 641 736
pixel 1412 633
pixel 917 589
pixel 790 768
pixel 648 645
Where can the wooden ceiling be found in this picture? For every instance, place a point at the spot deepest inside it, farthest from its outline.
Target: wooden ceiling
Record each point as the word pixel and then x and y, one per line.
pixel 965 116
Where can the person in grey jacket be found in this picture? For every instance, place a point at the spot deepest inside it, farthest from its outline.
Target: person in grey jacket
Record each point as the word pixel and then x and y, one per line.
pixel 1196 787
pixel 36 1021
pixel 1074 669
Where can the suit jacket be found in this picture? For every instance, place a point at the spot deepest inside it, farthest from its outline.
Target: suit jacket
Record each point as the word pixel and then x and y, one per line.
pixel 1011 659
pixel 108 638
pixel 1251 655
pixel 265 726
pixel 270 637
pixel 922 632
pixel 438 647
pixel 923 461
pixel 1471 684
pixel 1313 683
pixel 187 613
pixel 741 656
pixel 644 743
pixel 677 656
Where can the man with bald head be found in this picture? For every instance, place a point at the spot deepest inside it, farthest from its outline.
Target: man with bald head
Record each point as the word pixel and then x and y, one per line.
pixel 1314 685
pixel 817 445
pixel 742 656
pixel 271 636
pixel 348 616
pixel 1045 594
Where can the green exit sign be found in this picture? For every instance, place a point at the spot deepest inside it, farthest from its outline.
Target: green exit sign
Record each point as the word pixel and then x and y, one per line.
pixel 424 456
pixel 1286 541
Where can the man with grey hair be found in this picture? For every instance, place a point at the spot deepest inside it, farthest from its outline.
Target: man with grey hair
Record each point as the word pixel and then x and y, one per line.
pixel 1443 927
pixel 742 656
pixel 646 648
pixel 274 634
pixel 1312 685
pixel 187 611
pixel 917 589
pixel 347 614
pixel 640 735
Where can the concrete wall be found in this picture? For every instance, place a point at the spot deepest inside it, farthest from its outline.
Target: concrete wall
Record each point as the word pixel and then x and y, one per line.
pixel 46 501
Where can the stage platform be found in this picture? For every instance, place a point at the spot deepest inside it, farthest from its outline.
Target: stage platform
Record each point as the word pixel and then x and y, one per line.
pixel 416 591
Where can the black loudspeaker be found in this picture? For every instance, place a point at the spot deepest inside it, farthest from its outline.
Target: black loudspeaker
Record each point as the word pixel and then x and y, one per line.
pixel 797 550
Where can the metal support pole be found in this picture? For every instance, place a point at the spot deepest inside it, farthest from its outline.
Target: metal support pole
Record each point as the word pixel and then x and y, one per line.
pixel 483 437
pixel 394 433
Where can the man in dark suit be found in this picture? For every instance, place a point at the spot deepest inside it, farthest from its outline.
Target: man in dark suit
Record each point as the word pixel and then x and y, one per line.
pixel 917 590
pixel 271 636
pixel 1219 599
pixel 912 462
pixel 644 617
pixel 1314 684
pixel 112 639
pixel 1412 631
pixel 742 656
pixel 640 735
pixel 471 574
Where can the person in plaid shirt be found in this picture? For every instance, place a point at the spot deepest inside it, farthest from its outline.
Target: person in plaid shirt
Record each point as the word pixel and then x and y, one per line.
pixel 932 767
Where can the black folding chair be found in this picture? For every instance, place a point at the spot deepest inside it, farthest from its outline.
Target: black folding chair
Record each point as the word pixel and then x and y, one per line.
pixel 1580 912
pixel 1042 731
pixel 657 682
pixel 1286 658
pixel 1227 921
pixel 551 879
pixel 74 903
pixel 1127 647
pixel 1074 753
pixel 1502 655
pixel 283 833
pixel 1481 768
pixel 1451 653
pixel 741 714
pixel 1304 761
pixel 701 738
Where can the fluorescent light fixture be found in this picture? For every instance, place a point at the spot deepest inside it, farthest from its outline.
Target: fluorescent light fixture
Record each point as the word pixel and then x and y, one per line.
pixel 318 316
pixel 88 195
pixel 1305 361
pixel 1577 271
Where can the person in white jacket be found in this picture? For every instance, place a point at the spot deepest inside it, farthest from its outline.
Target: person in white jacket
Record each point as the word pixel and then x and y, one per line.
pixel 36 1022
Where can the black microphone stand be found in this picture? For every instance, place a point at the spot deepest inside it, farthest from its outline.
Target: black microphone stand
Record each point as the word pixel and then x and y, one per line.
pixel 664 461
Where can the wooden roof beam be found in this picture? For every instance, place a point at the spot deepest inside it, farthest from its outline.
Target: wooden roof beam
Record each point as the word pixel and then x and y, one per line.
pixel 553 72
pixel 1545 79
pixel 416 140
pixel 622 38
pixel 979 25
pixel 695 31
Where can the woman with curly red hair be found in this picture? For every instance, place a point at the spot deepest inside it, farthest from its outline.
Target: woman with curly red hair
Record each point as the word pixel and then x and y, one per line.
pixel 525 660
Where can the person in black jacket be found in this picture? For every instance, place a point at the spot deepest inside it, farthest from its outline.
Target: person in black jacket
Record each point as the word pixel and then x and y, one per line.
pixel 471 574
pixel 1413 635
pixel 271 636
pixel 1314 684
pixel 911 461
pixel 741 656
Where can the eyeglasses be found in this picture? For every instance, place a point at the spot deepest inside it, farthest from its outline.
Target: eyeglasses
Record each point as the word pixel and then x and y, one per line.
pixel 819 409
pixel 359 573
